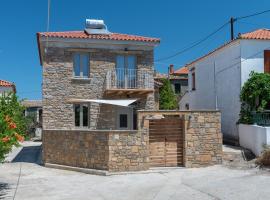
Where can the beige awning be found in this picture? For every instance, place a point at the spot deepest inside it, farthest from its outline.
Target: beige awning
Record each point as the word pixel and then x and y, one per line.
pixel 118 102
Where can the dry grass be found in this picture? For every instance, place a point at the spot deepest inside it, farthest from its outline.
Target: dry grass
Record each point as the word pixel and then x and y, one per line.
pixel 264 159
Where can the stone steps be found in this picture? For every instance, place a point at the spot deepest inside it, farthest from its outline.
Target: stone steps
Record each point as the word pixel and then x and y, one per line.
pixel 235 156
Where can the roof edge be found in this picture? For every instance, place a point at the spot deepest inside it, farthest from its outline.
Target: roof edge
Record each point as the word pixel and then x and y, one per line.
pixel 212 52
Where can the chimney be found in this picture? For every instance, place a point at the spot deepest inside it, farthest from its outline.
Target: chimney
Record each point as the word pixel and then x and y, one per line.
pixel 171 70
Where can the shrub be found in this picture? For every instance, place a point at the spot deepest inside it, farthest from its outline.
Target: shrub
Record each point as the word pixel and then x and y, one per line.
pixel 167 100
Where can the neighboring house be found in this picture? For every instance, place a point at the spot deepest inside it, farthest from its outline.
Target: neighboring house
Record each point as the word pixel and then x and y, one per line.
pixel 215 80
pixel 179 80
pixel 6 87
pixel 90 78
pixel 33 109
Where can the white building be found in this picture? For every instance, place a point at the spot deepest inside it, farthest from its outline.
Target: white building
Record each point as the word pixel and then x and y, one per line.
pixel 6 87
pixel 215 80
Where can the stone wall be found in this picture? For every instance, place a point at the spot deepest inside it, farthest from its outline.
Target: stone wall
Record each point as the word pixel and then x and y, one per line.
pixel 203 139
pixel 86 149
pixel 105 150
pixel 116 150
pixel 128 151
pixel 59 85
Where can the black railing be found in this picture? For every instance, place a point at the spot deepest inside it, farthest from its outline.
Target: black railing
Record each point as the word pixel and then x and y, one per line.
pixel 261 118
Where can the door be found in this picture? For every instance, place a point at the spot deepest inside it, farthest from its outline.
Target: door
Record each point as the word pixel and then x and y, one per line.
pixel 126 71
pixel 266 61
pixel 166 142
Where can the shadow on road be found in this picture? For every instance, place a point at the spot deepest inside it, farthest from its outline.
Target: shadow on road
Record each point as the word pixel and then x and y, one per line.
pixel 4 187
pixel 29 154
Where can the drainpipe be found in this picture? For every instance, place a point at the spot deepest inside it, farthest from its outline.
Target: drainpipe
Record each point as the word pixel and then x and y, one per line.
pixel 215 87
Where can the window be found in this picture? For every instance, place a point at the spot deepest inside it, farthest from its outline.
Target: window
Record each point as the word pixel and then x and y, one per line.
pixel 193 81
pixel 81 115
pixel 177 88
pixel 81 65
pixel 266 61
pixel 126 71
pixel 123 120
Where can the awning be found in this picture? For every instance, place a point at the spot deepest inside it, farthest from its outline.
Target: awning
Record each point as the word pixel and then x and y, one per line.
pixel 119 102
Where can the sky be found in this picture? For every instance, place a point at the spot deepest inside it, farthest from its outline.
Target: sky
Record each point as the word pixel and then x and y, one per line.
pixel 178 23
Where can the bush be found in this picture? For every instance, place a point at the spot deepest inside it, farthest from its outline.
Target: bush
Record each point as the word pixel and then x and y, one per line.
pixel 254 96
pixel 13 124
pixel 167 100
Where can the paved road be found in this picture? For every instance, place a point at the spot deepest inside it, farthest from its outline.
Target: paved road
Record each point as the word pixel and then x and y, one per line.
pixel 217 182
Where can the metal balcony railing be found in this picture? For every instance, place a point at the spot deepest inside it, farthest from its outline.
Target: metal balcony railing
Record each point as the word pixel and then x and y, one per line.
pixel 129 79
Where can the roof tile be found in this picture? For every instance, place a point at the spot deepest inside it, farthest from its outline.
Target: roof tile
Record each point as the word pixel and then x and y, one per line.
pixel 112 36
pixel 6 83
pixel 183 70
pixel 260 34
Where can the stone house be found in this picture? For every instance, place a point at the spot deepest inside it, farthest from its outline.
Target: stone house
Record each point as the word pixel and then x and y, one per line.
pixel 98 105
pixel 86 77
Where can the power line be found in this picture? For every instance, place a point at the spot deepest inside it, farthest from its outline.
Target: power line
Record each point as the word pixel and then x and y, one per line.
pixel 252 15
pixel 211 34
pixel 196 43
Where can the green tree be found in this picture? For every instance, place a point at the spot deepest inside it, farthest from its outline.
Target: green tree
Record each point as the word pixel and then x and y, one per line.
pixel 254 96
pixel 167 100
pixel 13 124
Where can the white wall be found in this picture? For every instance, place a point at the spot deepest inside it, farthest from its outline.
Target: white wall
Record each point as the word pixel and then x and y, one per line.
pixel 254 137
pixel 218 86
pixel 252 57
pixel 220 76
pixel 184 100
pixel 5 89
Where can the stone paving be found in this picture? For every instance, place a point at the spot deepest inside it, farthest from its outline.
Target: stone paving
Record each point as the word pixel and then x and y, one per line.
pixel 216 182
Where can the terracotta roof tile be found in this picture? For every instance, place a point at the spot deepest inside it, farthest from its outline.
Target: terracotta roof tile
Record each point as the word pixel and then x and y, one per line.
pixel 112 36
pixel 183 70
pixel 6 83
pixel 260 34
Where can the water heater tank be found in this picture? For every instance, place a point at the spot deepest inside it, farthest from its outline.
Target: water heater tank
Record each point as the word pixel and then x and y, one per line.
pixel 96 26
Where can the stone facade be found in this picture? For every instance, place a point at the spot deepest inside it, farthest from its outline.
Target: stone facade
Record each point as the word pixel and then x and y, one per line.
pixel 104 150
pixel 59 86
pixel 203 139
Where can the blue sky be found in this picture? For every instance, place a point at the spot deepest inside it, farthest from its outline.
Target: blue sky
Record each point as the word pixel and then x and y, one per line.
pixel 178 24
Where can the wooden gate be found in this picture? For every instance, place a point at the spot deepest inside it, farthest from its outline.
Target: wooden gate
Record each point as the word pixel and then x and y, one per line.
pixel 166 142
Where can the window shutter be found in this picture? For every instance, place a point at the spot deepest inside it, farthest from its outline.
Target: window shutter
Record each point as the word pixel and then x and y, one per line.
pixel 193 81
pixel 266 61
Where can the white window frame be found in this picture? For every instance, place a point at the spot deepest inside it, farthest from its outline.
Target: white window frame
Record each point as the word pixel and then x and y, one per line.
pixel 81 115
pixel 81 64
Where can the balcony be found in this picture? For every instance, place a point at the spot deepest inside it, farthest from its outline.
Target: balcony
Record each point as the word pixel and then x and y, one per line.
pixel 129 81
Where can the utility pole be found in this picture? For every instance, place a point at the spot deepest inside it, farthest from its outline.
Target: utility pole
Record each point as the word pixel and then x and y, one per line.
pixel 232 31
